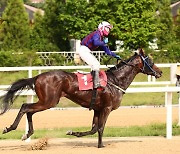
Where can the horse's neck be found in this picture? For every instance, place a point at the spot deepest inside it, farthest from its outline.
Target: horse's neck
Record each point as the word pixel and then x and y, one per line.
pixel 125 75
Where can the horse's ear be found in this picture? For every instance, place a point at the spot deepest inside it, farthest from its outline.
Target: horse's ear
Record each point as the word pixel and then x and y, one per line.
pixel 141 52
pixel 136 53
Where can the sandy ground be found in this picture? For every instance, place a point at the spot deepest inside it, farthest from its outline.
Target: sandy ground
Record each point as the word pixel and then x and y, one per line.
pixel 130 145
pixel 82 117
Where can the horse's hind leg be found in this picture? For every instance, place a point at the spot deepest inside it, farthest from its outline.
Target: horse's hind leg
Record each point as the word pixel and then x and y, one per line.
pixel 33 108
pixel 30 125
pixel 92 131
pixel 22 111
pixel 29 109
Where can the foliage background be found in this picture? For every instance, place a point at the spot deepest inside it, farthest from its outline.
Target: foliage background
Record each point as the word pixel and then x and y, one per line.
pixel 135 23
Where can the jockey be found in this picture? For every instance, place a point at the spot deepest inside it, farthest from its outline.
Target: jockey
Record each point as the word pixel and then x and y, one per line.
pixel 91 42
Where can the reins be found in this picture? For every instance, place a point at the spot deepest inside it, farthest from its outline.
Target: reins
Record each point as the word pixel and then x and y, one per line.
pixel 145 63
pixel 112 84
pixel 123 61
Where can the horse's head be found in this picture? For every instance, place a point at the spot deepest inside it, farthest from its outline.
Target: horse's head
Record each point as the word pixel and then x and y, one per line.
pixel 147 66
pixel 141 63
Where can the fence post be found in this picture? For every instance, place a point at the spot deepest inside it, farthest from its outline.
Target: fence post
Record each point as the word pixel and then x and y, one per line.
pixel 173 68
pixel 168 102
pixel 149 78
pixel 179 108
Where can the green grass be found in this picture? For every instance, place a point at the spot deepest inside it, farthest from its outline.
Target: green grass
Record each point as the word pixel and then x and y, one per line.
pixel 143 77
pixel 7 78
pixel 148 130
pixel 138 99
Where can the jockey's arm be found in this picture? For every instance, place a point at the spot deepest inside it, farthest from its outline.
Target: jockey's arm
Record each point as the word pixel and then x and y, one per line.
pixel 97 42
pixel 108 51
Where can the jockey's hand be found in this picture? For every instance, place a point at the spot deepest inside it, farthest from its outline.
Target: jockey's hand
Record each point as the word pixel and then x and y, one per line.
pixel 105 40
pixel 117 57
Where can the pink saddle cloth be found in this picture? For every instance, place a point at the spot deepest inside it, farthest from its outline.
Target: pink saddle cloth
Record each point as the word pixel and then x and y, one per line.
pixel 85 81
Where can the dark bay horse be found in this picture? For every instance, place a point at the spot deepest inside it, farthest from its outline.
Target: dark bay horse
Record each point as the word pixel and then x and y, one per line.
pixel 53 85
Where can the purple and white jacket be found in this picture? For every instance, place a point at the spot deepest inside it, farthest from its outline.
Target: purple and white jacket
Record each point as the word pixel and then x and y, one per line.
pixel 94 40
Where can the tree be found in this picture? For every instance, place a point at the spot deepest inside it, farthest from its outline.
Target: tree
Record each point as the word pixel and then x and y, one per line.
pixel 63 21
pixel 165 22
pixel 168 37
pixel 177 27
pixel 2 6
pixel 134 23
pixel 3 3
pixel 26 1
pixel 15 26
pixel 174 1
pixel 38 39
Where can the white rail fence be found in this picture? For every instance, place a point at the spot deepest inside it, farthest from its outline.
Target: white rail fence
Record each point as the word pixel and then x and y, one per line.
pixel 150 80
pixel 168 90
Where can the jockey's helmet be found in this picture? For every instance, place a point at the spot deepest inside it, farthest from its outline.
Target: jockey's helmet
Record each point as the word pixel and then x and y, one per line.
pixel 105 28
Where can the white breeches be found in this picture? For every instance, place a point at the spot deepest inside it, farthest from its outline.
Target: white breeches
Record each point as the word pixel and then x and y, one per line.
pixel 89 58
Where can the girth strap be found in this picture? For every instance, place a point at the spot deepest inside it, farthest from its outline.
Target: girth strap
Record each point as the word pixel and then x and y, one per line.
pixel 93 99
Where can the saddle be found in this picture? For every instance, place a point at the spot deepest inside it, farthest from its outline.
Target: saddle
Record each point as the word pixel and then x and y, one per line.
pixel 85 80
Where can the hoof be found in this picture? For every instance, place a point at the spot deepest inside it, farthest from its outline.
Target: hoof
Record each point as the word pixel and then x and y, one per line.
pixel 101 146
pixel 69 132
pixel 5 130
pixel 24 137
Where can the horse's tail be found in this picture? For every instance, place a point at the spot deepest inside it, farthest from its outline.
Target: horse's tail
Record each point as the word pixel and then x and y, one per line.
pixel 8 99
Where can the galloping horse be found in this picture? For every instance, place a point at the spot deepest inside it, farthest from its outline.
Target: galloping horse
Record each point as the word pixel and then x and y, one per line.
pixel 51 86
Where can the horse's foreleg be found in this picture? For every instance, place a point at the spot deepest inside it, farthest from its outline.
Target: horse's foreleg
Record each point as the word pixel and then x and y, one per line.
pixel 22 111
pixel 92 131
pixel 102 121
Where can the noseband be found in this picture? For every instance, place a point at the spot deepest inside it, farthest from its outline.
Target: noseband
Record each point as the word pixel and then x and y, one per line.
pixel 147 65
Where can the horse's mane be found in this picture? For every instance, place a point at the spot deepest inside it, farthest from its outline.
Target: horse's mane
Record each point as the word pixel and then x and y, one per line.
pixel 122 63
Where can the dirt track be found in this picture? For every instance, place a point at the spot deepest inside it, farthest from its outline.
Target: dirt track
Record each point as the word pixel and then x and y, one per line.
pixel 83 117
pixel 78 118
pixel 130 145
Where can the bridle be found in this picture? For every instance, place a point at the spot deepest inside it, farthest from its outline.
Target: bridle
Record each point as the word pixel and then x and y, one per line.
pixel 147 65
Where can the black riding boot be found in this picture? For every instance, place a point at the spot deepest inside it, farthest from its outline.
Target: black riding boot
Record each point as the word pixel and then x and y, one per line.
pixel 96 82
